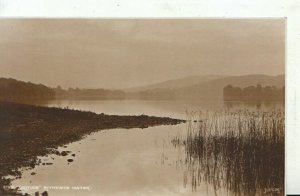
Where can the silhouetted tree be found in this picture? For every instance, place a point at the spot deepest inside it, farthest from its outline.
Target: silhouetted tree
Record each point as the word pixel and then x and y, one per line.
pixel 14 90
pixel 253 93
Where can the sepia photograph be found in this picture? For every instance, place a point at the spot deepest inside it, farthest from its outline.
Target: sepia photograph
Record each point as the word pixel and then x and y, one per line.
pixel 142 106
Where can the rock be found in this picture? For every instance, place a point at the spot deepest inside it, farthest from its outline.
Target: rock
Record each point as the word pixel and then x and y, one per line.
pixel 64 153
pixel 70 160
pixel 33 173
pixel 45 193
pixel 73 155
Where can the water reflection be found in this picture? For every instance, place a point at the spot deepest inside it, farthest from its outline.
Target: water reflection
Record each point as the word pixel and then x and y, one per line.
pixel 253 105
pixel 168 160
pixel 162 108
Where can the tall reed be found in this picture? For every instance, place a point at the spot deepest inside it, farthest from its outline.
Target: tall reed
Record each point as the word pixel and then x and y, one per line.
pixel 241 151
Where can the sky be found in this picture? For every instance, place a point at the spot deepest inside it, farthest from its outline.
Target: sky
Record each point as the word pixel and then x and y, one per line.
pixel 115 53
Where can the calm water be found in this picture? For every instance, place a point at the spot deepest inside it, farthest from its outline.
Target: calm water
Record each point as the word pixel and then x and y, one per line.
pixel 125 161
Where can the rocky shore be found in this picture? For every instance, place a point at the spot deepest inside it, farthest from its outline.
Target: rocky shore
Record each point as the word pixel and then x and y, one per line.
pixel 28 131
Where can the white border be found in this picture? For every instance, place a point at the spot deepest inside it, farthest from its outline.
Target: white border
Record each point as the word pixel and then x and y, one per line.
pixel 147 8
pixel 194 9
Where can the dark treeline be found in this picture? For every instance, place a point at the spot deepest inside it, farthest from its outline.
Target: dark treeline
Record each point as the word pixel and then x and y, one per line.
pixel 14 90
pixel 88 94
pixel 253 93
pixel 27 92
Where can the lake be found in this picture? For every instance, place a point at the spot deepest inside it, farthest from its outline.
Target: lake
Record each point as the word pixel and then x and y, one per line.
pixel 127 161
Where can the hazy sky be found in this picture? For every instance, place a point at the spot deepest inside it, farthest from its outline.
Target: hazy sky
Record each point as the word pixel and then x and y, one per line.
pixel 125 53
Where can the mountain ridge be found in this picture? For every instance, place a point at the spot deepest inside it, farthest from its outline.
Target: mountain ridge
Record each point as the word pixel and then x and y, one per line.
pixel 212 88
pixel 191 87
pixel 179 82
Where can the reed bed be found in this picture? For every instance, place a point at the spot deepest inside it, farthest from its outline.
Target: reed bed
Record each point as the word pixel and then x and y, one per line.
pixel 241 151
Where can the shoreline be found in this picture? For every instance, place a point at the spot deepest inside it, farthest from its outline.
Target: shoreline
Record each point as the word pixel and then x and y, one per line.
pixel 28 131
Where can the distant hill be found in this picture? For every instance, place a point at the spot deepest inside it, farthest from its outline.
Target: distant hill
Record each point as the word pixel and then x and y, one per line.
pixel 19 91
pixel 247 80
pixel 177 83
pixel 193 87
pixel 212 89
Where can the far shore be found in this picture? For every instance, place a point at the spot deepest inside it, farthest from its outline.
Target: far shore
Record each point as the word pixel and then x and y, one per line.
pixel 28 131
